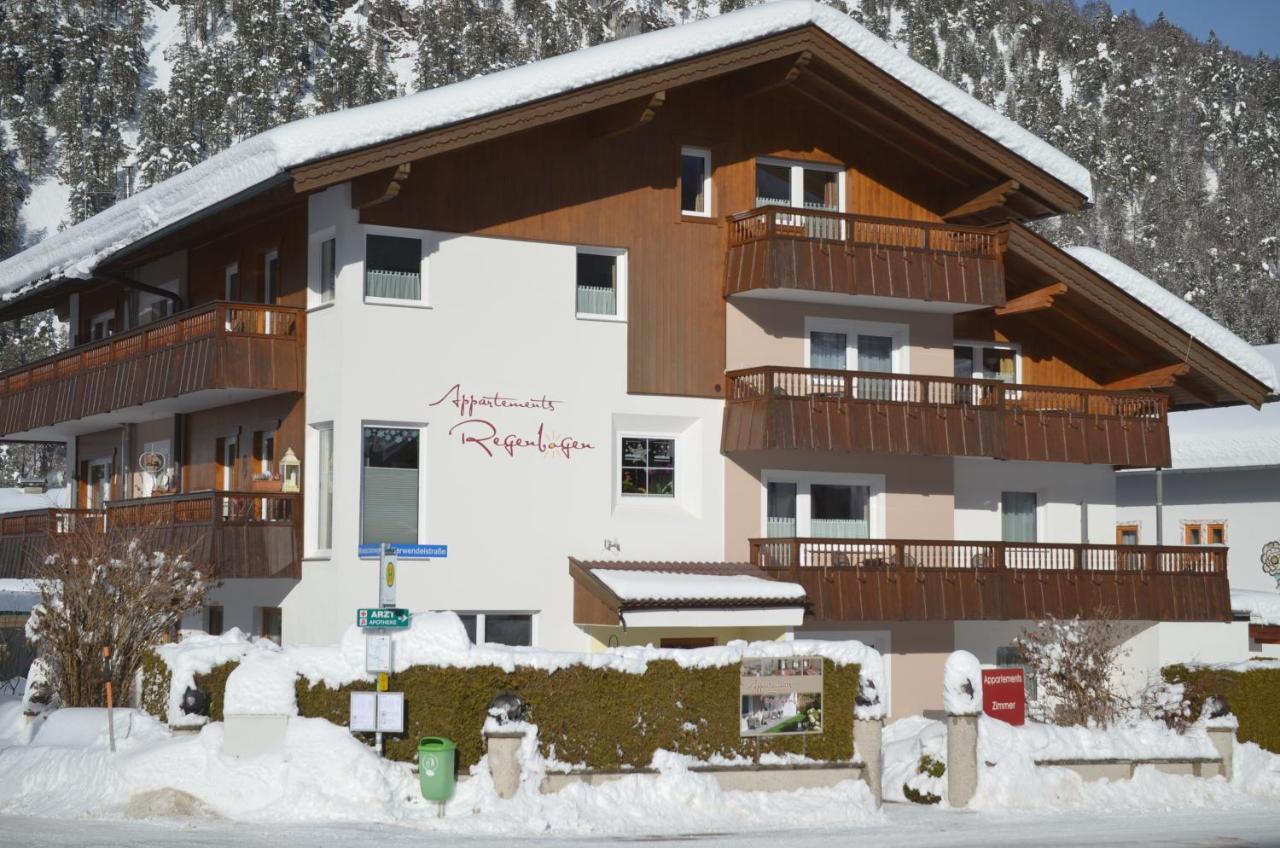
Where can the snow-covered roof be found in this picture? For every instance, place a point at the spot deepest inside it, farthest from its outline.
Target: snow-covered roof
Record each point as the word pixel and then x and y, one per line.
pixel 1263 607
pixel 632 585
pixel 1181 314
pixel 76 251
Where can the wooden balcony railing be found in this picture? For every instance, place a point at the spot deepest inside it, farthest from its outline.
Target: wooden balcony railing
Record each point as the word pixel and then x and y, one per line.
pixel 782 247
pixel 772 408
pixel 235 534
pixel 917 580
pixel 218 345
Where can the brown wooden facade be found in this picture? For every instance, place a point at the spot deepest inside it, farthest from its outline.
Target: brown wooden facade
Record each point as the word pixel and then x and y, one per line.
pixel 216 346
pixel 772 408
pixel 234 534
pixel 913 580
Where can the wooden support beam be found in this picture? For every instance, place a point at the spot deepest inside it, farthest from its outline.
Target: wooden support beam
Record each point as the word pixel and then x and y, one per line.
pixel 1032 301
pixel 378 187
pixel 1090 332
pixel 629 116
pixel 1157 378
pixel 989 199
pixel 766 77
pixel 1197 392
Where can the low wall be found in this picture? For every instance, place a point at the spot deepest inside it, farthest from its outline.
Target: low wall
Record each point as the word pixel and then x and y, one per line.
pixel 778 778
pixel 1119 769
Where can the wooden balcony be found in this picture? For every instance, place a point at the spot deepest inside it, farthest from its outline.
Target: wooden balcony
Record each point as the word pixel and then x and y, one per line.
pixel 235 534
pixel 216 346
pixel 813 250
pixel 911 580
pixel 774 408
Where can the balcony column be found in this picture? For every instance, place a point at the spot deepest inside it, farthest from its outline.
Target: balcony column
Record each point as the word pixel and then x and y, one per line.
pixel 179 451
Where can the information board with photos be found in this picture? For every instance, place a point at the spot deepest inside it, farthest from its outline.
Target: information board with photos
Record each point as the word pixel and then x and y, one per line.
pixel 781 696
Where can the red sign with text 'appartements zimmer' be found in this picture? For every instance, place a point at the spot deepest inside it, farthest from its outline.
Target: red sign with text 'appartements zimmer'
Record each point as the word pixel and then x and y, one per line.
pixel 1004 694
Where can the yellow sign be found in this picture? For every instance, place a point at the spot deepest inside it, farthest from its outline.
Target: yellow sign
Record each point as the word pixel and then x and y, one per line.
pixel 391 573
pixel 384 681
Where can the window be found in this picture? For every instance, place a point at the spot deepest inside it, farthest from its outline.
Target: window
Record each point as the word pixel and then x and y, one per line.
pixel 102 326
pixel 1126 534
pixel 392 268
pixel 324 486
pixel 839 512
pixel 649 467
pixel 270 276
pixel 213 620
pixel 857 346
pixel 227 452
pixel 807 185
pixel 1018 516
pixel 781 517
pixel 601 278
pixel 328 269
pixel 389 507
pixel 986 362
pixel 271 621
pixel 829 506
pixel 498 628
pixel 695 181
pixel 828 350
pixel 264 453
pixel 100 473
pixel 1204 533
pixel 231 282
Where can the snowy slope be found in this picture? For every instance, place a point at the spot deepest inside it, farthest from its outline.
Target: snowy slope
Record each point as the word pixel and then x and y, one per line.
pixel 75 252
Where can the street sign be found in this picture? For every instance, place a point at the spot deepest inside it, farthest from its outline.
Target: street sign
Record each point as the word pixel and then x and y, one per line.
pixel 373 551
pixel 1004 694
pixel 377 653
pixel 387 578
pixel 377 617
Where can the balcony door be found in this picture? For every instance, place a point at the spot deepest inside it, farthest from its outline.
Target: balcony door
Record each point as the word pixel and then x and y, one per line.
pixel 842 345
pixel 823 506
pixel 804 185
pixel 98 480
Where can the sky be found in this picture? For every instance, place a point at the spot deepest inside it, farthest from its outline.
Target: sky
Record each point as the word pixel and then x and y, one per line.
pixel 1244 25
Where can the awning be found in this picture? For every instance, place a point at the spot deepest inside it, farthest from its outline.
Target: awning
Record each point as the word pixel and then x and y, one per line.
pixel 682 594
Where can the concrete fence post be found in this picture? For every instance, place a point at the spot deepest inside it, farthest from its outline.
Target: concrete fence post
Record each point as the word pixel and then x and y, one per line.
pixel 962 759
pixel 1224 739
pixel 503 749
pixel 867 734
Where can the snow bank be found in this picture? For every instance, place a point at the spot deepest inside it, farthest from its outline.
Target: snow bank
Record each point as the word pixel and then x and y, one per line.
pixel 962 684
pixel 263 683
pixel 265 157
pixel 1263 607
pixel 998 741
pixel 85 728
pixel 903 743
pixel 1180 313
pixel 632 585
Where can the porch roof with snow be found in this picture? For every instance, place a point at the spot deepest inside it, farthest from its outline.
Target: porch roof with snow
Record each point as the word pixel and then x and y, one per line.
pixel 640 594
pixel 326 149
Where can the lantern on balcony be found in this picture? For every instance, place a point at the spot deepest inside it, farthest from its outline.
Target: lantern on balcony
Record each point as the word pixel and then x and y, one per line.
pixel 290 472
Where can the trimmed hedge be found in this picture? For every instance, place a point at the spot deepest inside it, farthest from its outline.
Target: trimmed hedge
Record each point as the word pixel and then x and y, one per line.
pixel 1252 696
pixel 154 697
pixel 605 719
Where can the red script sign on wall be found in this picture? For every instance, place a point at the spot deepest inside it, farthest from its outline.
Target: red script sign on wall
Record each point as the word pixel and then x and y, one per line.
pixel 1004 694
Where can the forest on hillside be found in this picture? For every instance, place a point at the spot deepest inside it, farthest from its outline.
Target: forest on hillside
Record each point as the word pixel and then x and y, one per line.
pixel 101 98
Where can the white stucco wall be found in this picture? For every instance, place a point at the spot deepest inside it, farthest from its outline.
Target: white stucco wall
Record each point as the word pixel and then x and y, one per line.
pixel 1247 500
pixel 500 320
pixel 1061 489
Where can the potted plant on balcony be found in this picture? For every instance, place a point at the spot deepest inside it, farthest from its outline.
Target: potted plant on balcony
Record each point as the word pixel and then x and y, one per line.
pixel 265 481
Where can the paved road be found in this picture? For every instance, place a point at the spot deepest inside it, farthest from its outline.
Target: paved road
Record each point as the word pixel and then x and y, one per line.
pixel 905 826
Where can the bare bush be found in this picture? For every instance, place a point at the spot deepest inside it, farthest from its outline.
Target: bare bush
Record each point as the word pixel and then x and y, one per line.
pixel 1077 665
pixel 104 589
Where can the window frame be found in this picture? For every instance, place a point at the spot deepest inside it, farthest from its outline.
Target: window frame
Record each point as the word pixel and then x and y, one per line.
pixel 228 271
pixel 1205 528
pixel 315 492
pixel 703 153
pixel 643 497
pixel 900 357
pixel 1039 515
pixel 270 282
pixel 107 318
pixel 620 286
pixel 481 617
pixel 1125 526
pixel 798 167
pixel 315 268
pixel 804 482
pixel 1014 347
pixel 423 301
pixel 422 471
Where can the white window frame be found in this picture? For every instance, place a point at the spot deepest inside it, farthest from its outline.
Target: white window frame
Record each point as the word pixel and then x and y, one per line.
pixel 620 253
pixel 108 484
pixel 704 154
pixel 900 333
pixel 1015 347
pixel 798 167
pixel 108 317
pixel 422 471
pixel 227 271
pixel 804 480
pixel 482 615
pixel 311 505
pixel 676 498
pixel 424 241
pixel 315 241
pixel 230 451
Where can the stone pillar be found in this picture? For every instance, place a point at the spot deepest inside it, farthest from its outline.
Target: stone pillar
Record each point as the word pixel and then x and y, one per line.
pixel 866 743
pixel 1224 738
pixel 962 759
pixel 503 749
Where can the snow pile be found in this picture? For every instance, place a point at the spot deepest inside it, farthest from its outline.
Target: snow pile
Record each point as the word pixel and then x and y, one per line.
pixel 1262 607
pixel 663 585
pixel 263 160
pixel 962 684
pixel 998 741
pixel 85 728
pixel 904 742
pixel 439 639
pixel 1180 313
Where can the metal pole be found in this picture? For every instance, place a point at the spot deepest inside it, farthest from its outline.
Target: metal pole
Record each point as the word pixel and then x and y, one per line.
pixel 1159 506
pixel 377 742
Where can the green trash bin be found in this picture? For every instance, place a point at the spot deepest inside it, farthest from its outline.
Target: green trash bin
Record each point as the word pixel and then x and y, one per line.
pixel 436 757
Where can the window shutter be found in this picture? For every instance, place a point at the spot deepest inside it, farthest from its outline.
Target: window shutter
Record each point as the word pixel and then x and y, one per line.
pixel 390 505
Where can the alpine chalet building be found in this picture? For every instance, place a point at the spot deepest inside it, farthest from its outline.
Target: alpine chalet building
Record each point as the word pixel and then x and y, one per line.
pixel 731 330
